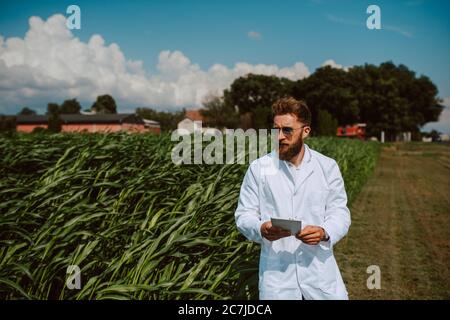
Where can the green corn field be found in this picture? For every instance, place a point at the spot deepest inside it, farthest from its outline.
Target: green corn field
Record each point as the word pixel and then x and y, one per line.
pixel 137 225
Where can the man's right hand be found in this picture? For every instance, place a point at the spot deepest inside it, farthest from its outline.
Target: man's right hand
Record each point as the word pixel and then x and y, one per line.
pixel 272 233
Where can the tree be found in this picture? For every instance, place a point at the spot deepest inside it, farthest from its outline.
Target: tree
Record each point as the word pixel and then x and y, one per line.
pixel 393 99
pixel 167 120
pixel 328 89
pixel 54 123
pixel 104 104
pixel 52 108
pixel 219 114
pixel 255 94
pixel 70 107
pixel 27 112
pixel 327 125
pixel 7 125
pixel 387 98
pixel 54 120
pixel 435 135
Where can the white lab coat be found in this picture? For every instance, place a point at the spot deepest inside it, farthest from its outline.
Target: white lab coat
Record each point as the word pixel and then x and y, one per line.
pixel 289 268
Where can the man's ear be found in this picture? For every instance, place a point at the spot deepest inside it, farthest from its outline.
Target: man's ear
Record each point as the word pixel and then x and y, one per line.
pixel 306 132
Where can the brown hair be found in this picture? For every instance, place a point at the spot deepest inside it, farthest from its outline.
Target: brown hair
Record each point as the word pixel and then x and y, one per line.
pixel 291 105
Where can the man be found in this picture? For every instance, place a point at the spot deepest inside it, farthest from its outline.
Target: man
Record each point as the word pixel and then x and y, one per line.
pixel 295 182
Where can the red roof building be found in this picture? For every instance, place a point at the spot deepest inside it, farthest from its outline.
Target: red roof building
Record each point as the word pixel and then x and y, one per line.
pixel 90 123
pixel 194 115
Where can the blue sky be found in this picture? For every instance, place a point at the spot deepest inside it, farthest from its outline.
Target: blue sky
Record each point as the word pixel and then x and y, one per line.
pixel 207 33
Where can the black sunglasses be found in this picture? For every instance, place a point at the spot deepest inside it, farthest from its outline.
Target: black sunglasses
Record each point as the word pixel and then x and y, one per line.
pixel 287 131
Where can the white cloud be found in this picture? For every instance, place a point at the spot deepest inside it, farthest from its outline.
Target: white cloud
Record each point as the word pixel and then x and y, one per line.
pixel 443 124
pixel 50 64
pixel 254 35
pixel 333 64
pixel 446 102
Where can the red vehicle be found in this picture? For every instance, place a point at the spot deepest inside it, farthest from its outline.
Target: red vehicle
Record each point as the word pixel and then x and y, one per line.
pixel 357 131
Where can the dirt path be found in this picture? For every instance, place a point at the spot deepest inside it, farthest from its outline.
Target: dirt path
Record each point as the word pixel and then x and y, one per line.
pixel 401 223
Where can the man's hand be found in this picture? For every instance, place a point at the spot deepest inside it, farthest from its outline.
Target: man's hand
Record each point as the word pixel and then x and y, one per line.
pixel 311 235
pixel 272 233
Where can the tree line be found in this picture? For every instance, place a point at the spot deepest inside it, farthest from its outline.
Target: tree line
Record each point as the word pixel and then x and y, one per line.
pixel 388 97
pixel 103 104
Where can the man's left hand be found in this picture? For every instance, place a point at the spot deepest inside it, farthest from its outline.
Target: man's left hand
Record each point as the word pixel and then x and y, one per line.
pixel 311 235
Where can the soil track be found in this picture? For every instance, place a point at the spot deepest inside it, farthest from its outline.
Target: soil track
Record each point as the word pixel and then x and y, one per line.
pixel 401 223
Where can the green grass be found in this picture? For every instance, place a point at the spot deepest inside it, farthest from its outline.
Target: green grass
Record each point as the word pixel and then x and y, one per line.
pixel 400 223
pixel 138 226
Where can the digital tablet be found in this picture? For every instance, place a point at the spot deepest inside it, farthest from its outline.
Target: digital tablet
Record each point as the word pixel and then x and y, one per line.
pixel 294 226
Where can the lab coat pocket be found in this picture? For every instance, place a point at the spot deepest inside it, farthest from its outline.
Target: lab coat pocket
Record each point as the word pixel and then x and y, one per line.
pixel 316 203
pixel 317 214
pixel 317 198
pixel 274 269
pixel 329 267
pixel 316 269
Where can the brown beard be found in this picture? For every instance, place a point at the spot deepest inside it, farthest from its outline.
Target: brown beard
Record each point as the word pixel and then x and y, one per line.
pixel 292 150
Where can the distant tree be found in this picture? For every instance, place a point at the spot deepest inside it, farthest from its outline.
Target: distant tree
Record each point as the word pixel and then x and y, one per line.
pixel 104 104
pixel 327 125
pixel 387 98
pixel 246 121
pixel 71 106
pixel 416 135
pixel 54 123
pixel 262 117
pixel 52 108
pixel 167 120
pixel 393 99
pixel 219 114
pixel 435 135
pixel 255 94
pixel 27 112
pixel 328 89
pixel 7 125
pixel 54 120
